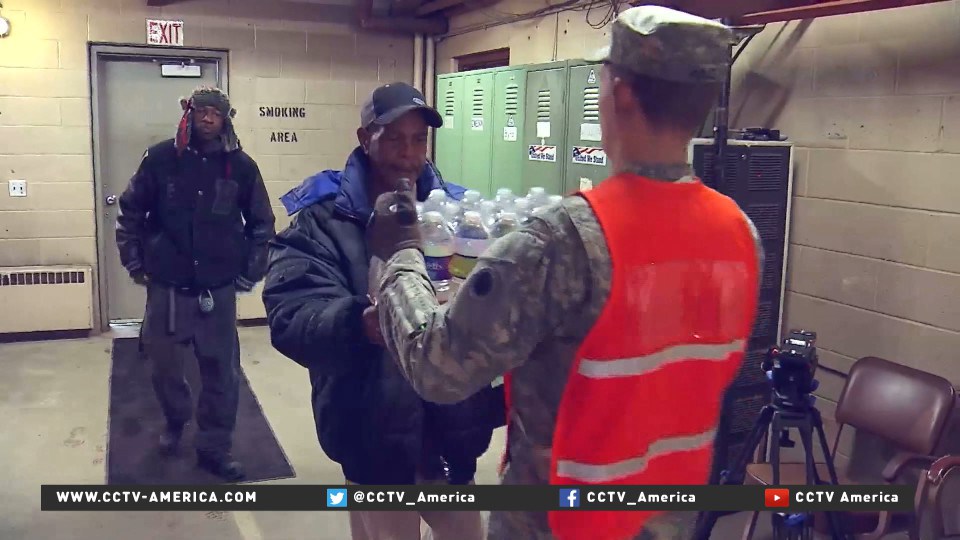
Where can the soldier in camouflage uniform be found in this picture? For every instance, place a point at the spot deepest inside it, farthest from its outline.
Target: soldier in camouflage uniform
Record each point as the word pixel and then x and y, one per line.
pixel 535 294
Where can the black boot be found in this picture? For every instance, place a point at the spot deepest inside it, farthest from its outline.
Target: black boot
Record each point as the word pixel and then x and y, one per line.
pixel 170 440
pixel 221 464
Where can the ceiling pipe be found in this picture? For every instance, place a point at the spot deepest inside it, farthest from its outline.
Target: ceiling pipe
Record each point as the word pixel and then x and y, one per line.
pixel 404 25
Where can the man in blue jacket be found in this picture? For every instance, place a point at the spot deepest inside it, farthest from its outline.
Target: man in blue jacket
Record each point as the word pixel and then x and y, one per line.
pixel 368 417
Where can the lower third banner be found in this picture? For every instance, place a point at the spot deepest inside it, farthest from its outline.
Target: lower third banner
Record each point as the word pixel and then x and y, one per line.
pixel 488 497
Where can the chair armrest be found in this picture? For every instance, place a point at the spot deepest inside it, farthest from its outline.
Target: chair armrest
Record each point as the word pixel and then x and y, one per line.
pixel 942 467
pixel 901 461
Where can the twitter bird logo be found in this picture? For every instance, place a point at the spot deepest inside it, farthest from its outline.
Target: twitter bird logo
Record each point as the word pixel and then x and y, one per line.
pixel 336 498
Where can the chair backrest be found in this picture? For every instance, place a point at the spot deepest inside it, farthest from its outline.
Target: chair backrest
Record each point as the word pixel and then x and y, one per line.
pixel 905 406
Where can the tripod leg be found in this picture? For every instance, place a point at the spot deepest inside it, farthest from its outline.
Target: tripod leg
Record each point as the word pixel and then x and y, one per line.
pixel 818 425
pixel 776 427
pixel 707 520
pixel 837 529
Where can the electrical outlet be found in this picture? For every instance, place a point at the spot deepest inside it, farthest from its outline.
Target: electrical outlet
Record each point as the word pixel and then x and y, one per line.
pixel 18 188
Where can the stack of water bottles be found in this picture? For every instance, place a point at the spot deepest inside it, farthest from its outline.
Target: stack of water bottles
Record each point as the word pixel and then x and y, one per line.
pixel 456 233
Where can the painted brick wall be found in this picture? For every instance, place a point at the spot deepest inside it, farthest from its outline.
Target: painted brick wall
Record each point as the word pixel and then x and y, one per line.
pixel 276 58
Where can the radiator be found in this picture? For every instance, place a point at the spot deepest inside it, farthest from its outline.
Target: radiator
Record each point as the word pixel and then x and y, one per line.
pixel 46 298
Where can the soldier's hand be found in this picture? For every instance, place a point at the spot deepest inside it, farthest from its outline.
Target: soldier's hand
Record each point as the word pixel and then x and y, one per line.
pixel 393 225
pixel 371 325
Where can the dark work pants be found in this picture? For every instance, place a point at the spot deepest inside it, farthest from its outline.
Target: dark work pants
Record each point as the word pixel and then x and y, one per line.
pixel 212 339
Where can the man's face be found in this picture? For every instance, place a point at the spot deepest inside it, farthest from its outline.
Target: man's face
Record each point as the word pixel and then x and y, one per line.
pixel 207 122
pixel 399 149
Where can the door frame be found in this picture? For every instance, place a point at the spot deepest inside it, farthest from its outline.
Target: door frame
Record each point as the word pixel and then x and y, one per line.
pixel 104 51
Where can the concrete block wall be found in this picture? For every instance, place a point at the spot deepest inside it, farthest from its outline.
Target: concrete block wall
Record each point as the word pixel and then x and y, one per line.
pixel 873 102
pixel 278 57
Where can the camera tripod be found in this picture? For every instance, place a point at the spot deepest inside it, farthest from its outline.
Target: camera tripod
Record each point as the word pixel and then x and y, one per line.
pixel 778 417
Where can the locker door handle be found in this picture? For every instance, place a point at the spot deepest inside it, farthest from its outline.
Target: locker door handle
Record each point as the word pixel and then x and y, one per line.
pixel 111 200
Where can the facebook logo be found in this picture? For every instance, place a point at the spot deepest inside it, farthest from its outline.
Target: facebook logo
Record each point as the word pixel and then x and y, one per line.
pixel 336 498
pixel 569 498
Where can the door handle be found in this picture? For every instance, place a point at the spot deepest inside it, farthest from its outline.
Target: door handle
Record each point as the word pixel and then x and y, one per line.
pixel 111 200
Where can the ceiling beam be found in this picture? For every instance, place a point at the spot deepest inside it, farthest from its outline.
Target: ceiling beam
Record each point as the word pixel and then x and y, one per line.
pixel 161 3
pixel 712 9
pixel 433 6
pixel 396 24
pixel 404 7
pixel 826 9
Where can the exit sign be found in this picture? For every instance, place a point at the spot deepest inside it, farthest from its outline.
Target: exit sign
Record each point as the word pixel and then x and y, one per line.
pixel 164 32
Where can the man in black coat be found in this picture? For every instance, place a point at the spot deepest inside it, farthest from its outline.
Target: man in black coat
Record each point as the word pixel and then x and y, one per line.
pixel 368 417
pixel 193 228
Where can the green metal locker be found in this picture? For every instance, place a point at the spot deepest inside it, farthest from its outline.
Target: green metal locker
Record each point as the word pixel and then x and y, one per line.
pixel 586 162
pixel 477 131
pixel 544 134
pixel 508 121
pixel 448 142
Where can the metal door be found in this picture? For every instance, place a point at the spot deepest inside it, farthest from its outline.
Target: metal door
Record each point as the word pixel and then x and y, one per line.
pixel 545 128
pixel 135 107
pixel 477 132
pixel 586 161
pixel 448 153
pixel 508 152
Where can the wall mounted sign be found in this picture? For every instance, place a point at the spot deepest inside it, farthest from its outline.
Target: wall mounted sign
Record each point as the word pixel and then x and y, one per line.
pixel 167 33
pixel 283 137
pixel 543 153
pixel 283 112
pixel 589 156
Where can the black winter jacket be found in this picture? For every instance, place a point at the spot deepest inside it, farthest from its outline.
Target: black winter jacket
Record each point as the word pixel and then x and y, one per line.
pixel 368 417
pixel 195 220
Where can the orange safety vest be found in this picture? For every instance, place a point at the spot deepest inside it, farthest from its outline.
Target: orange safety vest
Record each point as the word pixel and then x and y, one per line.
pixel 642 401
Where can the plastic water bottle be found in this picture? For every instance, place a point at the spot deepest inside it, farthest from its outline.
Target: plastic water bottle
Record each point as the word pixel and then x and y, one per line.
pixel 435 201
pixel 438 248
pixel 504 197
pixel 506 223
pixel 522 209
pixel 471 201
pixel 554 199
pixel 537 197
pixel 489 212
pixel 471 240
pixel 451 212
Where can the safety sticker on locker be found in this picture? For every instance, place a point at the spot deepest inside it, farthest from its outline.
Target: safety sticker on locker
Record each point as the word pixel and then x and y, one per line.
pixel 543 153
pixel 589 155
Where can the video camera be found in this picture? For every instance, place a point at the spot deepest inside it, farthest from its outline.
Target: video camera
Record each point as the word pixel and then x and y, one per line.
pixel 791 367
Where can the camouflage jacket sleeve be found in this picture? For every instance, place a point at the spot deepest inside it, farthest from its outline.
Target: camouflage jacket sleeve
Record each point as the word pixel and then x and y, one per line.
pixel 500 314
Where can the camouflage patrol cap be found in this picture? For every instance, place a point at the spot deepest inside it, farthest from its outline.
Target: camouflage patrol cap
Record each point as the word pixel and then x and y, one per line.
pixel 667 44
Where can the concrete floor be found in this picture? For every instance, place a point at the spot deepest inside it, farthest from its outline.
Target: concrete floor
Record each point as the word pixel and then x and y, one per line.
pixel 53 430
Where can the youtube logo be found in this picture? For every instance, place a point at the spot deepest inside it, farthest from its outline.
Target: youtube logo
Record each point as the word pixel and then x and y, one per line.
pixel 776 498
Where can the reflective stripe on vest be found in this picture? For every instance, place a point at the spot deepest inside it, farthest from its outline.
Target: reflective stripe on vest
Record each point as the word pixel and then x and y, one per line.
pixel 611 472
pixel 628 367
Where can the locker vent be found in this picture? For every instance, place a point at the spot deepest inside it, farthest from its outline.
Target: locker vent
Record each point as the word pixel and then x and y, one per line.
pixel 766 171
pixel 449 102
pixel 591 104
pixel 512 100
pixel 476 109
pixel 543 106
pixel 768 219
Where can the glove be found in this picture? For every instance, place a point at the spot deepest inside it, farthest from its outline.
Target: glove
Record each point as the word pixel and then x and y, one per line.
pixel 393 225
pixel 139 278
pixel 243 284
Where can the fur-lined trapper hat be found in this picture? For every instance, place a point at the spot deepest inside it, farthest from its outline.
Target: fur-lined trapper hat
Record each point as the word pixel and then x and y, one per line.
pixel 207 96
